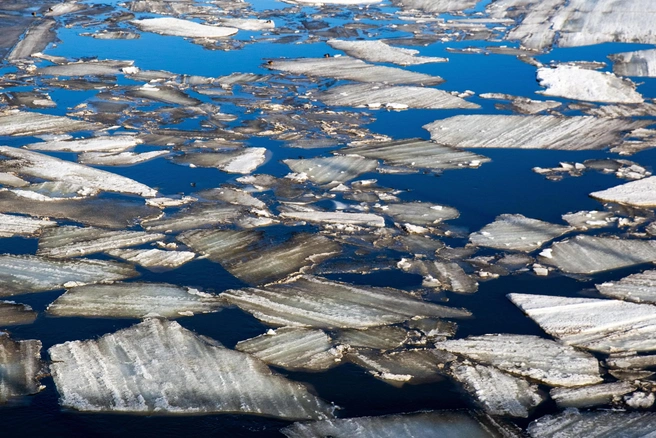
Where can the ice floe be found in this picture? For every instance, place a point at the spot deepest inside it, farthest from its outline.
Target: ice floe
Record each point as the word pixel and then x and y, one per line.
pixel 336 217
pixel 441 274
pixel 600 424
pixel 379 338
pixel 11 225
pixel 641 193
pixel 23 123
pixel 588 396
pixel 20 367
pixel 517 232
pixel 242 161
pixel 324 170
pixel 196 216
pixel 114 143
pixel 378 51
pixel 12 313
pixel 638 288
pixel 154 259
pixel 184 28
pixel 641 63
pixel 419 213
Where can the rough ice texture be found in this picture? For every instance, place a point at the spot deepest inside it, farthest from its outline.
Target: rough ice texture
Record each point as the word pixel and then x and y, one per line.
pixel 638 288
pixel 379 338
pixel 641 193
pixel 396 97
pixel 419 213
pixel 539 359
pixel 159 367
pixel 120 159
pixel 446 275
pixel 296 349
pixel 517 232
pixel 336 217
pixel 20 367
pixel 183 28
pixel 242 161
pixel 339 168
pixel 315 302
pixel 69 241
pixel 598 424
pixel 578 83
pixel 641 63
pixel 443 424
pixel 15 122
pixel 198 216
pixel 498 393
pixel 344 67
pixel 609 326
pixel 50 168
pixel 531 132
pixel 589 254
pixel 588 396
pixel 584 220
pixel 418 154
pixel 436 6
pixel 15 314
pixel 96 144
pixel 26 274
pixel 378 51
pixel 134 300
pixel 11 225
pixel 154 259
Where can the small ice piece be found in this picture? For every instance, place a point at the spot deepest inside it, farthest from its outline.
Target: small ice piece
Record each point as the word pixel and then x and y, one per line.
pixel 538 359
pixel 295 349
pixel 20 367
pixel 308 301
pixel 640 400
pixel 133 300
pixel 11 225
pixel 243 160
pixel 588 396
pixel 419 213
pixel 379 338
pixel 517 233
pixel 641 63
pixel 12 313
pixel 15 122
pixel 158 366
pixel 378 51
pixel 608 326
pixel 105 143
pixel 69 241
pixel 637 288
pixel 154 259
pixel 582 84
pixel 336 217
pixel 498 393
pixel 198 216
pixel 590 254
pixel 28 274
pixel 88 68
pixel 184 28
pixel 641 193
pixel 339 168
pixel 449 275
pixel 584 220
pixel 599 424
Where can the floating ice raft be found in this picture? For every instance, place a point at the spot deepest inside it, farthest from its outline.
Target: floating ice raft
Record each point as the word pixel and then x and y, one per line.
pixel 378 51
pixel 517 232
pixel 12 313
pixel 11 225
pixel 15 122
pixel 336 217
pixel 598 424
pixel 641 63
pixel 154 259
pixel 183 28
pixel 339 168
pixel 20 367
pixel 159 367
pixel 96 144
pixel 641 193
pixel 588 396
pixel 637 288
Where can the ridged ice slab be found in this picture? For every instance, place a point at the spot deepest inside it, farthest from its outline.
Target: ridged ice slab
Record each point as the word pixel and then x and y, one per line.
pixel 198 216
pixel 590 254
pixel 531 132
pixel 134 300
pixel 588 396
pixel 435 6
pixel 641 63
pixel 183 28
pixel 160 367
pixel 308 301
pixel 11 225
pixel 641 193
pixel 15 122
pixel 609 326
pixel 90 68
pixel 378 51
pixel 336 217
pixel 95 144
pixel 598 424
pixel 12 313
pixel 20 367
pixel 379 338
pixel 539 359
pixel 324 170
pixel 517 233
pixel 637 288
pixel 154 259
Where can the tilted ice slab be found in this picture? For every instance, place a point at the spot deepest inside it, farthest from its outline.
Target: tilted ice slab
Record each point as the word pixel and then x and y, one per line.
pixel 589 254
pixel 641 63
pixel 119 159
pixel 531 132
pixel 375 96
pixel 90 68
pixel 315 302
pixel 296 349
pixel 339 168
pixel 441 274
pixel 69 241
pixel 336 217
pixel 344 67
pixel 242 161
pixel 15 122
pixel 26 274
pixel 444 424
pixel 584 220
pixel 582 84
pixel 638 288
pixel 36 38
pixel 160 367
pixel 183 28
pixel 11 225
pixel 609 326
pixel 95 144
pixel 50 168
pixel 134 300
pixel 20 367
pixel 378 51
pixel 435 6
pixel 379 338
pixel 498 393
pixel 418 154
pixel 12 313
pixel 539 359
pixel 517 232
pixel 154 259
pixel 419 213
pixel 641 193
pixel 598 424
pixel 588 396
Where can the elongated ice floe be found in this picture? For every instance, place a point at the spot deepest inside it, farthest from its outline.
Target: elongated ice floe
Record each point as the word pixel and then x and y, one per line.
pixel 27 274
pixel 134 300
pixel 197 216
pixel 538 359
pixel 315 302
pixel 598 424
pixel 160 367
pixel 70 241
pixel 20 367
pixel 89 68
pixel 517 232
pixel 95 144
pixel 641 63
pixel 248 23
pixel 296 349
pixel 119 159
pixel 345 67
pixel 418 154
pixel 15 122
pixel 11 225
pixel 36 38
pixel 582 84
pixel 419 213
pixel 378 51
pixel 379 338
pixel 375 96
pixel 324 170
pixel 609 326
pixel 243 160
pixel 435 6
pixel 154 259
pixel 641 193
pixel 531 132
pixel 12 313
pixel 336 217
pixel 637 288
pixel 590 254
pixel 588 396
pixel 183 28
pixel 335 2
pixel 50 168
pixel 441 274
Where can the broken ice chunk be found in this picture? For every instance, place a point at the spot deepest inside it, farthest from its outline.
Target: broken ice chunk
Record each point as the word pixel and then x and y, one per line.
pixel 108 143
pixel 378 51
pixel 14 122
pixel 232 195
pixel 244 160
pixel 336 217
pixel 199 215
pixel 588 396
pixel 332 169
pixel 315 302
pixel 517 232
pixel 641 193
pixel 585 220
pixel 640 63
pixel 248 23
pixel 295 349
pixel 158 366
pixel 441 274
pixel 89 68
pixel 133 300
pixel 154 259
pixel 638 288
pixel 184 28
pixel 20 367
pixel 419 213
pixel 379 338
pixel 598 424
pixel 120 159
pixel 435 6
pixel 12 313
pixel 11 225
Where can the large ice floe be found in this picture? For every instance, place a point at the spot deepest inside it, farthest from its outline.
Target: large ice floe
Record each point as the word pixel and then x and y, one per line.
pixel 378 51
pixel 184 28
pixel 23 123
pixel 600 424
pixel 160 367
pixel 340 168
pixel 518 233
pixel 21 367
pixel 638 288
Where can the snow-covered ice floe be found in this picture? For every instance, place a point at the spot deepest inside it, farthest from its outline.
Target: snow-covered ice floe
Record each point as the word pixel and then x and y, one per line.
pixel 517 232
